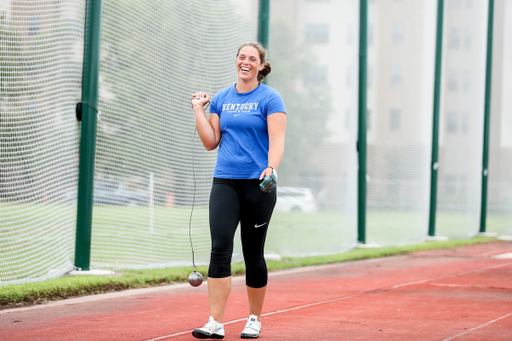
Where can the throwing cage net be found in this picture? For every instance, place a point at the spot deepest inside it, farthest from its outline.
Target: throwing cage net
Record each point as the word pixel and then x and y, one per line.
pixel 151 167
pixel 41 50
pixel 155 54
pixel 313 52
pixel 461 119
pixel 499 199
pixel 401 45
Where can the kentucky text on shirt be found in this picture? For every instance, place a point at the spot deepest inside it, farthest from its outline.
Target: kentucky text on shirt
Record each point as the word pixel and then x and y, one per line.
pixel 239 106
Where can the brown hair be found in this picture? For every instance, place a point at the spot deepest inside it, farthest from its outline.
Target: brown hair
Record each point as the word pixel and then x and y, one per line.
pixel 263 59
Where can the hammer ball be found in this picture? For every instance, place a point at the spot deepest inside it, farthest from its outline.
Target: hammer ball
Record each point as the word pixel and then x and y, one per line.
pixel 195 279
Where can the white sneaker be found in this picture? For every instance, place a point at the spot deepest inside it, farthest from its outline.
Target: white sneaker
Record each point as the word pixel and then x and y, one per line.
pixel 252 329
pixel 211 330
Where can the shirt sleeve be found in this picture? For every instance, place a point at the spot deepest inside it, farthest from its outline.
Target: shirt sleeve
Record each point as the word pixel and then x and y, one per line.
pixel 214 104
pixel 275 103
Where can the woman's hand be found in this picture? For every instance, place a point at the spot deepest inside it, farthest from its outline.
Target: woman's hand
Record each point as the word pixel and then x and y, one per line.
pixel 208 128
pixel 267 172
pixel 269 182
pixel 199 99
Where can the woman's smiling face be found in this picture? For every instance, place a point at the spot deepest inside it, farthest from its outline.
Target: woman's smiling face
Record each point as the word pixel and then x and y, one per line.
pixel 248 63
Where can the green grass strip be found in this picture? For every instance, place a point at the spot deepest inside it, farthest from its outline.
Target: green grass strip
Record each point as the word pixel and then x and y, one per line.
pixel 74 286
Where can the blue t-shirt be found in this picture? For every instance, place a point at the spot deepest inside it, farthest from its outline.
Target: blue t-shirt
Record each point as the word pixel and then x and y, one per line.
pixel 243 151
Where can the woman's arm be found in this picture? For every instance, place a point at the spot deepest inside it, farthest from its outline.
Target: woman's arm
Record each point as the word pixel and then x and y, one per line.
pixel 276 129
pixel 207 128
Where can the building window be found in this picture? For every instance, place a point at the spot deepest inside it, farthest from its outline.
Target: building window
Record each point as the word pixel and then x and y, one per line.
pixel 464 127
pixel 398 33
pixel 396 75
pixel 317 33
pixel 395 119
pixel 451 123
pixel 453 38
pixel 450 184
pixel 467 38
pixel 33 25
pixel 317 75
pixel 466 80
pixel 453 80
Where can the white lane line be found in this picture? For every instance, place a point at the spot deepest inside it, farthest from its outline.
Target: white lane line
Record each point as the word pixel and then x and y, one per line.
pixel 442 277
pixel 171 287
pixel 344 298
pixel 268 314
pixel 469 286
pixel 507 255
pixel 478 327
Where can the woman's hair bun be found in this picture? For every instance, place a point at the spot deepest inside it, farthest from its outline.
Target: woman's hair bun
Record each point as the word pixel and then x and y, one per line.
pixel 264 72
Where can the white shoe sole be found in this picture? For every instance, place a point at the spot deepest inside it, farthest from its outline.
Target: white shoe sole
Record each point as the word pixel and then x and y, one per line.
pixel 249 336
pixel 200 334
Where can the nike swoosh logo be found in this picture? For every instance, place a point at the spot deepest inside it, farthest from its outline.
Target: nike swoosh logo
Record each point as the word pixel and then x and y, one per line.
pixel 256 226
pixel 237 115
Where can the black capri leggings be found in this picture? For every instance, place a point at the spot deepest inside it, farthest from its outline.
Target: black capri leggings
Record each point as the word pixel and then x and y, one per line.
pixel 234 201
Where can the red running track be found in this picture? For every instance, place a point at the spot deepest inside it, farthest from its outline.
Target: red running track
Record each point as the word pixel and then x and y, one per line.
pixel 455 294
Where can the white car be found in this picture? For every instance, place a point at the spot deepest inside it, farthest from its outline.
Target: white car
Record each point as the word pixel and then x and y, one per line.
pixel 295 199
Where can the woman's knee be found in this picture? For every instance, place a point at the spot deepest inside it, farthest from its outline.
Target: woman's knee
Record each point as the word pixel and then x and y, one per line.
pixel 220 263
pixel 256 274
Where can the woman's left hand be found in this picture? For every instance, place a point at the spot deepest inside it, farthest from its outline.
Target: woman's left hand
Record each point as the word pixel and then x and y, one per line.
pixel 267 172
pixel 269 182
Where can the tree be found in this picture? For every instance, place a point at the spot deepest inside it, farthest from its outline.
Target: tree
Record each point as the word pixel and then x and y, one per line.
pixel 306 102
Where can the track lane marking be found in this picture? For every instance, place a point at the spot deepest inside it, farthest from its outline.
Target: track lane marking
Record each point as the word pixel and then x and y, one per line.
pixel 469 286
pixel 478 327
pixel 280 311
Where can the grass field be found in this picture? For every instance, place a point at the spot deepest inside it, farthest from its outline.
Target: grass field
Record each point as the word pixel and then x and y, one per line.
pixel 72 286
pixel 37 241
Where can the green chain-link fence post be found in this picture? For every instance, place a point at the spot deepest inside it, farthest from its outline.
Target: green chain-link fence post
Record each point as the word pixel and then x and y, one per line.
pixel 362 126
pixel 91 70
pixel 435 125
pixel 487 117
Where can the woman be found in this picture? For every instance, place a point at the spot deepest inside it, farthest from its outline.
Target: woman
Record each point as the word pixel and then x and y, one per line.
pixel 250 119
